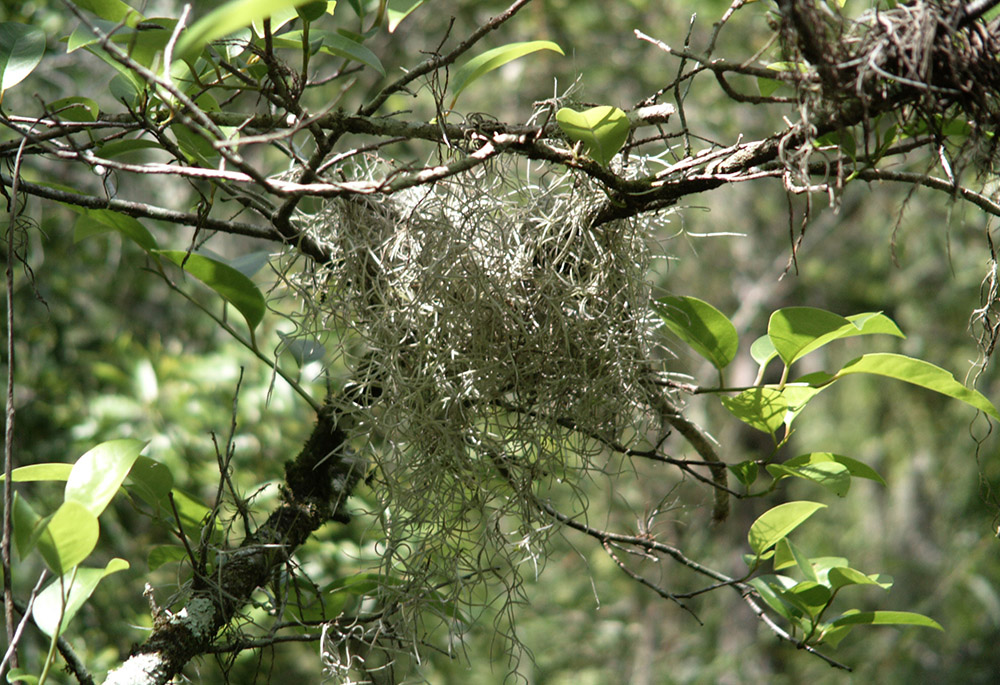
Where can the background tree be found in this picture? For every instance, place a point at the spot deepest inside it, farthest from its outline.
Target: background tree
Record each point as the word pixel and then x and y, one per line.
pixel 466 296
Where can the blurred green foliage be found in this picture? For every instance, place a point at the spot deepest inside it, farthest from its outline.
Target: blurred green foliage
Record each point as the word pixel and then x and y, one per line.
pixel 106 350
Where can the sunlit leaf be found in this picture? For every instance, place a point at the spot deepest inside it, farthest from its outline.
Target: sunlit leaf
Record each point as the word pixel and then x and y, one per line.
pixel 760 408
pixel 399 10
pixel 602 130
pixel 110 10
pixel 886 618
pixel 829 474
pixel 701 326
pixel 493 59
pixel 37 472
pixel 21 49
pixel 778 522
pixel 919 372
pixel 69 537
pixel 843 576
pixel 809 596
pixel 797 331
pixel 853 466
pixel 50 602
pixel 226 19
pixel 98 474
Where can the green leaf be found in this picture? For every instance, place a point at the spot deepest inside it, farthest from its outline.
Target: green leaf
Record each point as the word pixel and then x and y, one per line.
pixel 150 480
pixel 24 519
pixel 50 602
pixel 96 221
pixel 843 576
pixel 19 675
pixel 745 472
pixel 399 10
pixel 786 554
pixel 829 474
pixel 116 148
pixel 886 618
pixel 760 408
pixel 778 522
pixel 762 351
pixel 111 10
pixel 602 130
pixel 853 466
pixel 797 396
pixel 39 472
pixel 229 283
pixel 75 108
pixel 770 587
pixel 69 537
pixel 701 326
pixel 226 19
pixel 21 49
pixel 797 331
pixel 332 43
pixel 809 596
pixel 99 473
pixel 493 59
pixel 919 372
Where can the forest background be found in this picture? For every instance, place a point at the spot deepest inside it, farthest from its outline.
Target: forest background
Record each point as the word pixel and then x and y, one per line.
pixel 107 350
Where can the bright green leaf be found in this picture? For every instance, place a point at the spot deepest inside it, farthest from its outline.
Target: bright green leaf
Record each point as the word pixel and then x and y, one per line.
pixel 843 576
pixel 919 372
pixel 853 466
pixel 829 474
pixel 21 49
pixel 762 351
pixel 99 473
pixel 399 10
pixel 226 19
pixel 111 10
pixel 809 596
pixel 69 537
pixel 797 396
pixel 50 602
pixel 602 130
pixel 778 522
pixel 760 408
pixel 332 43
pixel 37 472
pixel 797 331
pixel 233 286
pixel 701 326
pixel 786 554
pixel 886 618
pixel 493 59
